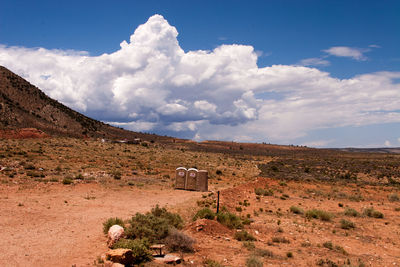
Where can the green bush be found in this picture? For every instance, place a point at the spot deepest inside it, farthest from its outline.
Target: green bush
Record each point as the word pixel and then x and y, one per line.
pixel 178 241
pixel 319 214
pixel 254 261
pixel 139 247
pixel 212 263
pixel 345 224
pixel 351 212
pixel 263 253
pixel 249 245
pixel 296 210
pixel 112 221
pixel 263 192
pixel 67 181
pixel 205 213
pixel 154 225
pixel 230 220
pixel 371 212
pixel 278 239
pixel 244 236
pixel 393 197
pixel 328 245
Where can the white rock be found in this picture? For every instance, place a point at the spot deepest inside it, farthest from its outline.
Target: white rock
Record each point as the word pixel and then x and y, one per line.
pixel 114 234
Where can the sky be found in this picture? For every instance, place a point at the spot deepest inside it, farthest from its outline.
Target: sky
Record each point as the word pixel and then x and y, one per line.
pixel 315 73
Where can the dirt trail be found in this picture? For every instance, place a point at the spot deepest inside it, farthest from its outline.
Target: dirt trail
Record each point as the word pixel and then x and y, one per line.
pixel 58 225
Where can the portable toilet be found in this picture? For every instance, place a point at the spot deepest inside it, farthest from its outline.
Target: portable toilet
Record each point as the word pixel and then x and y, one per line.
pixel 180 178
pixel 202 181
pixel 191 179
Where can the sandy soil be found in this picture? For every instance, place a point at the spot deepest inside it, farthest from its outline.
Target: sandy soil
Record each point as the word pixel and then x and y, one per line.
pixel 59 225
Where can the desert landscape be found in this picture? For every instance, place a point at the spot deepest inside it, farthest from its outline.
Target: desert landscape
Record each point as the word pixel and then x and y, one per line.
pixel 57 192
pixel 199 133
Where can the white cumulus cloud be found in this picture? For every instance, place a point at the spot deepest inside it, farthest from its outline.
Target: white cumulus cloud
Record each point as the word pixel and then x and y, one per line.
pixel 314 61
pixel 345 51
pixel 151 84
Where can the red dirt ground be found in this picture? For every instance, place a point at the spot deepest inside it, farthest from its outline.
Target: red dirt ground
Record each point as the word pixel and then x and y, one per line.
pixel 61 225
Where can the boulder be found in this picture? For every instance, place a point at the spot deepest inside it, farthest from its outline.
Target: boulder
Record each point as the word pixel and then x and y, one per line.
pixel 114 234
pixel 120 255
pixel 169 259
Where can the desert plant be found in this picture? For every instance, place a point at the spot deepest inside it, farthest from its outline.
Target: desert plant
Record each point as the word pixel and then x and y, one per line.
pixel 178 241
pixel 230 220
pixel 296 210
pixel 351 212
pixel 112 221
pixel 345 224
pixel 244 236
pixel 277 239
pixel 393 197
pixel 371 212
pixel 328 245
pixel 67 181
pixel 249 245
pixel 154 225
pixel 263 253
pixel 205 213
pixel 139 247
pixel 289 254
pixel 212 263
pixel 254 261
pixel 319 214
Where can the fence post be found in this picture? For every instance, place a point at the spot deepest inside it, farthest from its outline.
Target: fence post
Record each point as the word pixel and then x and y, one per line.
pixel 218 202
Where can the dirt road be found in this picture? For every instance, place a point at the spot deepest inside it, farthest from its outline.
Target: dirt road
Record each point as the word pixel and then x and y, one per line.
pixel 61 225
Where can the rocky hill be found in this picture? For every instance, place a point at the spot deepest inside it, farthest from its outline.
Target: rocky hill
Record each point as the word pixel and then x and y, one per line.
pixel 23 105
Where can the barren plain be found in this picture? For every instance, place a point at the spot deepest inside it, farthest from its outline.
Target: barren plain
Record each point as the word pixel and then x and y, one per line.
pixel 304 207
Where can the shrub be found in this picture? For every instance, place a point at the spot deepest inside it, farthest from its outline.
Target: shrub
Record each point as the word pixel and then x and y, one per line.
pixel 117 175
pixel 218 172
pixel 30 167
pixel 154 225
pixel 67 181
pixel 263 253
pixel 278 239
pixel 296 210
pixel 139 247
pixel 212 263
pixel 244 236
pixel 319 214
pixel 205 213
pixel 249 245
pixel 254 261
pixel 79 176
pixel 345 224
pixel 263 192
pixel 328 245
pixel 112 221
pixel 230 220
pixel 289 254
pixel 393 197
pixel 351 212
pixel 178 241
pixel 371 212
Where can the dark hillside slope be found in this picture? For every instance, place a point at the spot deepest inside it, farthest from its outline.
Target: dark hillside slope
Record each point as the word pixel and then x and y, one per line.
pixel 23 105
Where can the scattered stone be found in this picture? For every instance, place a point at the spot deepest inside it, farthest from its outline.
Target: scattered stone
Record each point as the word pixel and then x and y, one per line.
pixel 169 259
pixel 120 255
pixel 114 234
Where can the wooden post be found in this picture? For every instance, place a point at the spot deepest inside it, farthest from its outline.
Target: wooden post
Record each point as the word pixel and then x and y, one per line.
pixel 218 203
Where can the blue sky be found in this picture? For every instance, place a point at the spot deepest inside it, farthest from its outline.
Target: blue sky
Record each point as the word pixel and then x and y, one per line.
pixel 349 48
